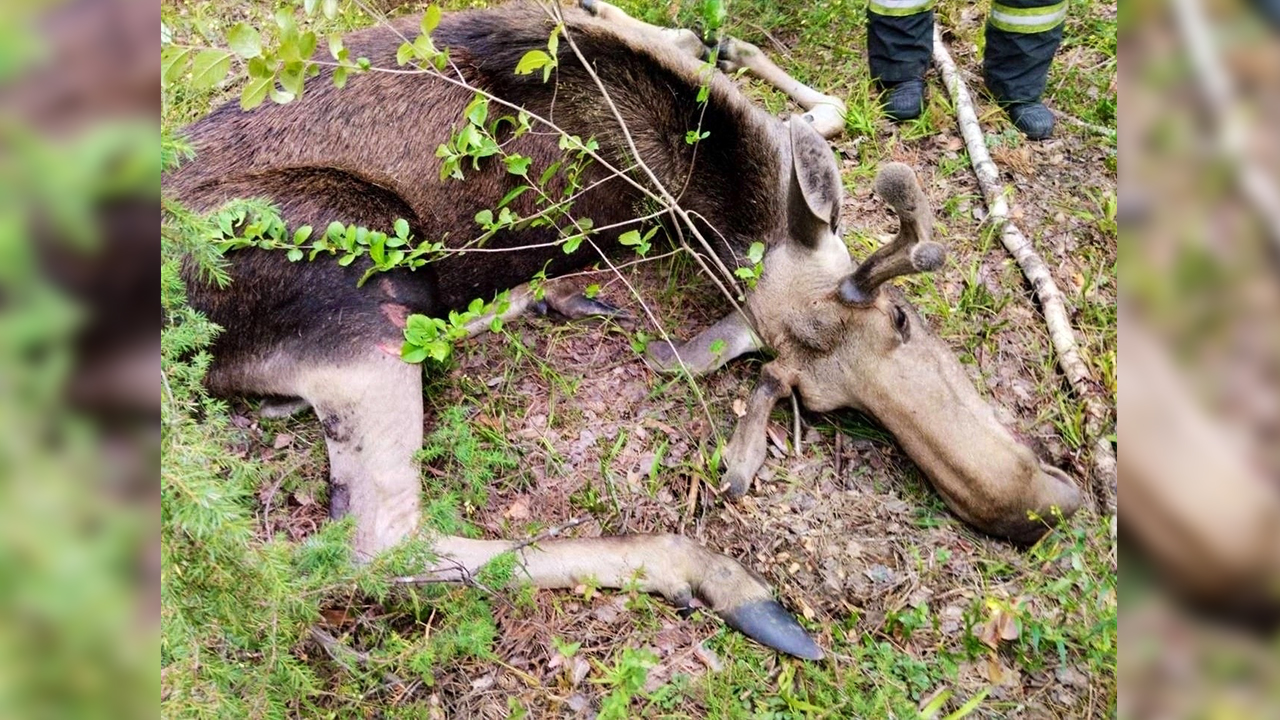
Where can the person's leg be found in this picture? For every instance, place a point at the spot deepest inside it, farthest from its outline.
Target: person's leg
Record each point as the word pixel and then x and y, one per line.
pixel 1022 37
pixel 899 45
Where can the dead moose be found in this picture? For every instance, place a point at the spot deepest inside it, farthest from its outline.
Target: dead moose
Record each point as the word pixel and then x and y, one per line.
pixel 366 154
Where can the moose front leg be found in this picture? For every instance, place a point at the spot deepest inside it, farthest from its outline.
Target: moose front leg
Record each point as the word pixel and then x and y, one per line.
pixel 562 296
pixel 727 339
pixel 746 450
pixel 673 566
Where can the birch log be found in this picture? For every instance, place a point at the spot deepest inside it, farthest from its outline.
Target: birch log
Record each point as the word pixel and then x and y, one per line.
pixel 995 194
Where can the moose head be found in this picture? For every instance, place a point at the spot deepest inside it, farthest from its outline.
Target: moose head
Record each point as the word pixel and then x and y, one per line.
pixel 843 337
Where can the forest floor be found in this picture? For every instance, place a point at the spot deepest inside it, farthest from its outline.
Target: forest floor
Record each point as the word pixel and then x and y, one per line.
pixel 560 420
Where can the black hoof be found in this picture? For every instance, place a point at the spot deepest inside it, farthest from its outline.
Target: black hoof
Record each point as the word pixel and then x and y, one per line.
pixel 584 307
pixel 769 624
pixel 339 501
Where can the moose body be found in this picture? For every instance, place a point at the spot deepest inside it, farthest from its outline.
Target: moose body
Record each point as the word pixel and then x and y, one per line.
pixel 366 155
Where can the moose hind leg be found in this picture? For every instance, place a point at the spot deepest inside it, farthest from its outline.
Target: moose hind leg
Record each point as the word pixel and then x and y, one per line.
pixel 371 411
pixel 825 112
pixel 673 566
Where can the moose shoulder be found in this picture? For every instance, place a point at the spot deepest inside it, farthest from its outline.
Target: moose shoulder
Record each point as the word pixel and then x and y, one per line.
pixel 366 155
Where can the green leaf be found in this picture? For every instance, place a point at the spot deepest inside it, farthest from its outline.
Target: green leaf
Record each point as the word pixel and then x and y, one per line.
pixel 532 60
pixel 295 254
pixel 404 54
pixel 340 77
pixel 756 252
pixel 571 244
pixel 255 91
pixel 174 62
pixel 591 291
pixel 301 234
pixel 281 97
pixel 309 7
pixel 630 237
pixel 402 228
pixel 717 346
pixel 330 9
pixel 245 41
pixel 513 194
pixel 517 164
pixel 411 353
pixel 347 259
pixel 969 706
pixel 693 136
pixel 476 306
pixel 307 45
pixel 553 42
pixel 430 19
pixel 291 78
pixel 478 110
pixel 258 68
pixel 484 218
pixel 209 68
pixel 713 13
pixel 287 24
pixel 548 173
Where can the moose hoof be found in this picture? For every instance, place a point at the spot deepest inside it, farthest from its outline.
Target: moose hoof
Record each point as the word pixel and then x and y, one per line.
pixel 736 483
pixel 768 623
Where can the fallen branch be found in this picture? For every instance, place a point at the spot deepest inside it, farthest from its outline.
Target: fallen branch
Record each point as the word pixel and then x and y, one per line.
pixel 995 195
pixel 1095 129
pixel 349 658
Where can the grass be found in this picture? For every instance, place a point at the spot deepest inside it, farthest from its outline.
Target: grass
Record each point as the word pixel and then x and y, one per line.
pixel 910 623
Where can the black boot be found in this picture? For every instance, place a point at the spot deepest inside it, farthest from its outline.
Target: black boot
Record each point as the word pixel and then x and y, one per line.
pixel 1022 37
pixel 904 100
pixel 1033 119
pixel 898 50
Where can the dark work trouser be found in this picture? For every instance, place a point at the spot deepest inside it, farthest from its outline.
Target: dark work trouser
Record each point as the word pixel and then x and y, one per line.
pixel 1022 37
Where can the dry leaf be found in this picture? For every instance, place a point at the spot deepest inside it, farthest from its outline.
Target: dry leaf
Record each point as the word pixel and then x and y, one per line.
pixel 996 672
pixel 283 440
pixel 708 658
pixel 739 407
pixel 1010 628
pixel 519 510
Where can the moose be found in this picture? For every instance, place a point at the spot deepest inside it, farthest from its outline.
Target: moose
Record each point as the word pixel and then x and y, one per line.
pixel 840 334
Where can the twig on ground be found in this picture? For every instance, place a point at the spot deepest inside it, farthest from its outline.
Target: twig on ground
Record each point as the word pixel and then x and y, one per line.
pixel 551 532
pixel 349 658
pixel 1037 273
pixel 795 425
pixel 1096 129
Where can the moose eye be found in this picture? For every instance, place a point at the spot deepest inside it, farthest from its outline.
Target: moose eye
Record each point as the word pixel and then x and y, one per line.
pixel 900 322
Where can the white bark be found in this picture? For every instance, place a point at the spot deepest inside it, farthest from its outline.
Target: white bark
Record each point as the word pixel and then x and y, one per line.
pixel 1037 273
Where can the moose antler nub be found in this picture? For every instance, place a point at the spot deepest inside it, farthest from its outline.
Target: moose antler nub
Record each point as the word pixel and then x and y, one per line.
pixel 911 251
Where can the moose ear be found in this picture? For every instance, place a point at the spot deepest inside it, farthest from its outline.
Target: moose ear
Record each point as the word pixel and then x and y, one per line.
pixel 813 197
